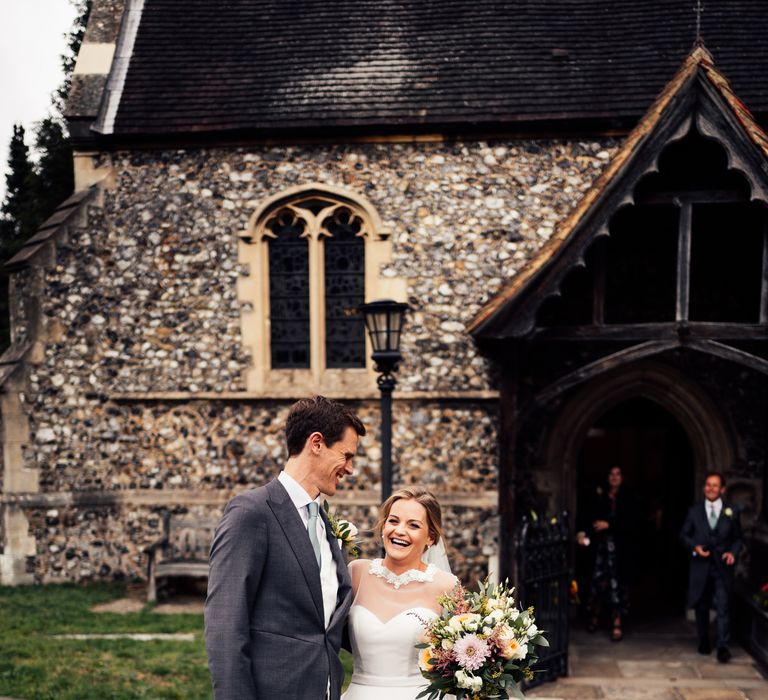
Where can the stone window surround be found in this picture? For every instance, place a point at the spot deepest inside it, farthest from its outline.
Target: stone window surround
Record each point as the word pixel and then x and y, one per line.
pixel 253 294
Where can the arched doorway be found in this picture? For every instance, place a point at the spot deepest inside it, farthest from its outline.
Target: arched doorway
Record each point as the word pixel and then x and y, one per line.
pixel 657 463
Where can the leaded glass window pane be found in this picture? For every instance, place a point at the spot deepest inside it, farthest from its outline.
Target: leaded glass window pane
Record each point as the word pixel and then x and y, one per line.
pixel 344 291
pixel 288 292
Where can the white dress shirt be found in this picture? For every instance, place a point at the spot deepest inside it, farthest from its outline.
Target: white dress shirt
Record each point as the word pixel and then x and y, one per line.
pixel 329 579
pixel 717 505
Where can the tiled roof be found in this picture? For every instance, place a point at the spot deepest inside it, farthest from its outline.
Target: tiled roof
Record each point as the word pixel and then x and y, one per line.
pixel 699 60
pixel 280 64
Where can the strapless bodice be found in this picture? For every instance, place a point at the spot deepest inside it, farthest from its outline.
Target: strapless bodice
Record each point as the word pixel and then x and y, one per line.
pixel 386 649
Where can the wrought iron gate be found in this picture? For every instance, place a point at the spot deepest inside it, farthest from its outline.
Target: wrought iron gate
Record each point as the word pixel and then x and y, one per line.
pixel 543 581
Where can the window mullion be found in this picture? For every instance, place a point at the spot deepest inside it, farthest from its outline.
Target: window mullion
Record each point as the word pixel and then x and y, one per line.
pixel 598 283
pixel 316 306
pixel 684 262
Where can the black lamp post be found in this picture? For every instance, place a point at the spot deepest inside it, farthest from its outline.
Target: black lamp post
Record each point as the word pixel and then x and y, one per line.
pixel 384 319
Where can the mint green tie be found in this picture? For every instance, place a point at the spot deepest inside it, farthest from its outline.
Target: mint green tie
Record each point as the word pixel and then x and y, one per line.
pixel 312 530
pixel 712 518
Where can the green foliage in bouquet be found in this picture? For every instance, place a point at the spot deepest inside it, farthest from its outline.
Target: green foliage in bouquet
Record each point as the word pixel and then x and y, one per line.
pixel 481 646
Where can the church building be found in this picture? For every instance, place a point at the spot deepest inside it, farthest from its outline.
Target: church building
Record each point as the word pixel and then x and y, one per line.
pixel 572 199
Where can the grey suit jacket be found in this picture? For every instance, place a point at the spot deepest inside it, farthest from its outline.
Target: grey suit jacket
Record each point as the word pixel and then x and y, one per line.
pixel 264 626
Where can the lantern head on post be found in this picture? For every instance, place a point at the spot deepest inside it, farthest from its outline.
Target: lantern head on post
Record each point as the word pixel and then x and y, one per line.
pixel 384 320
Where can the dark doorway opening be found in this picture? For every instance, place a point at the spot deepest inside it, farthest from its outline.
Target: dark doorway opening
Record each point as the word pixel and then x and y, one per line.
pixel 656 459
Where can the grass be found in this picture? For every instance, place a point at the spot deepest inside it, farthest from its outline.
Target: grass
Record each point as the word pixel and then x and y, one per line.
pixel 35 666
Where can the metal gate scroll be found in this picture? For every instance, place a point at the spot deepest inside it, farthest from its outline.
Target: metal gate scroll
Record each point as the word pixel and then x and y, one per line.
pixel 543 581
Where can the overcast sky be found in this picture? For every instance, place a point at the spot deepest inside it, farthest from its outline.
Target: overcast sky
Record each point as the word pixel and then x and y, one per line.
pixel 32 39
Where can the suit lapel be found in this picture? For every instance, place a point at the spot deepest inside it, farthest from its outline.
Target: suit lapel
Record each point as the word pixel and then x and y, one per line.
pixel 345 584
pixel 296 534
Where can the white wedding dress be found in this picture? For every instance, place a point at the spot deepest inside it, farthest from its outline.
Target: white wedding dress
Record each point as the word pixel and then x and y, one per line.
pixel 385 624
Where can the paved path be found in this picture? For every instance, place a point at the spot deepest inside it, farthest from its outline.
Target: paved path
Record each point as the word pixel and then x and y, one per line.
pixel 655 663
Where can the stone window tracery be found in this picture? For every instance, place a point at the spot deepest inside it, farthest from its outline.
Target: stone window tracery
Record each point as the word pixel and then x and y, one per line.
pixel 335 231
pixel 313 256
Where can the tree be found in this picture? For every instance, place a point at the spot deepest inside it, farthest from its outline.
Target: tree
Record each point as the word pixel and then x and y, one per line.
pixel 19 216
pixel 55 175
pixel 20 211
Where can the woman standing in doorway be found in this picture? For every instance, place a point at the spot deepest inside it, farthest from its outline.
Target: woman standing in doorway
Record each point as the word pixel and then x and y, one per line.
pixel 609 524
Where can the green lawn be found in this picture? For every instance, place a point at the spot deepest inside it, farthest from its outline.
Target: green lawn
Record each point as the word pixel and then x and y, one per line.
pixel 34 666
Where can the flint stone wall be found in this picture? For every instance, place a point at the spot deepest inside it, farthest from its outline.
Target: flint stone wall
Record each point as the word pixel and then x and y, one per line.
pixel 131 450
pixel 226 445
pixel 143 299
pixel 148 292
pixel 109 542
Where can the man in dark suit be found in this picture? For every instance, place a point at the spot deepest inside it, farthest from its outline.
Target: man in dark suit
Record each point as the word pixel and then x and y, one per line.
pixel 712 535
pixel 278 588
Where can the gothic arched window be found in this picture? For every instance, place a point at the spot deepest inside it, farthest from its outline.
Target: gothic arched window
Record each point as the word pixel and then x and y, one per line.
pixel 316 277
pixel 316 270
pixel 312 256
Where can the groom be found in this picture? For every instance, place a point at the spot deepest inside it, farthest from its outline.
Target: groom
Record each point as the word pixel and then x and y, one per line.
pixel 278 588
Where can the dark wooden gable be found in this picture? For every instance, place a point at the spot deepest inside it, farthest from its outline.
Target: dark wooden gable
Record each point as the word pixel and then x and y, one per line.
pixel 696 110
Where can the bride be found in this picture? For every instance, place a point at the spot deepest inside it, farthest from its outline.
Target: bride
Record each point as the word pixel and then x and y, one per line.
pixel 392 598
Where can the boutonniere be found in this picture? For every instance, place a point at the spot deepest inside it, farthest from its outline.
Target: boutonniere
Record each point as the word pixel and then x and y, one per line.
pixel 343 530
pixel 728 512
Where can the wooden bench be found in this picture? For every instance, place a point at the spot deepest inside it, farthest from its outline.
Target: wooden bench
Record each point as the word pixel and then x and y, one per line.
pixel 182 552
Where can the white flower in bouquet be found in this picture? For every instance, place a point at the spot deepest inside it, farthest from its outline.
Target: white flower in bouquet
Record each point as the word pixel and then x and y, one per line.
pixel 494 617
pixel 468 681
pixel 521 651
pixel 509 645
pixel 464 621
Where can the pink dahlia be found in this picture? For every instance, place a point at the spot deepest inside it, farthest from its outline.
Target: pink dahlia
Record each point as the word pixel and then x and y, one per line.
pixel 471 652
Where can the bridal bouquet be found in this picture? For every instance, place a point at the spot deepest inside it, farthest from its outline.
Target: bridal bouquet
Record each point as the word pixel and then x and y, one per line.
pixel 480 647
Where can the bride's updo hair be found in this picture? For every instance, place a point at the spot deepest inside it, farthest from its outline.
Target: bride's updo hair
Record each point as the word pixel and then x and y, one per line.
pixel 420 495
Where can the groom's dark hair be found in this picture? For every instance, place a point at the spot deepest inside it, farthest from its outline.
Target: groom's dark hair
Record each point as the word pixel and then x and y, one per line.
pixel 320 415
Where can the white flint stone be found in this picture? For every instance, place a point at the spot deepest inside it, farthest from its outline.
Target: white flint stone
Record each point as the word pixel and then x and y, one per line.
pixel 46 435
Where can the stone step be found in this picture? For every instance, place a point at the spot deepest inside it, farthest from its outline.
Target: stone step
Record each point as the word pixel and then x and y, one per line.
pixel 584 688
